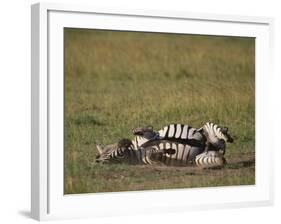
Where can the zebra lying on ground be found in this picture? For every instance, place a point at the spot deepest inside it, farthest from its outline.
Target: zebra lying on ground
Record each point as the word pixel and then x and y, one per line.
pixel 175 144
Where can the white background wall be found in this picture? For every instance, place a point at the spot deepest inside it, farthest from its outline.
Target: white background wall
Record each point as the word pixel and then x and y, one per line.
pixel 15 110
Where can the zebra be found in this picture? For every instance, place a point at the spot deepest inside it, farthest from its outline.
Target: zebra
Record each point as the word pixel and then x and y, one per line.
pixel 175 144
pixel 158 152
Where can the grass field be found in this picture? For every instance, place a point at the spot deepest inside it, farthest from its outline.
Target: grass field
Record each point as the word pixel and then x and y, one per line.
pixel 115 81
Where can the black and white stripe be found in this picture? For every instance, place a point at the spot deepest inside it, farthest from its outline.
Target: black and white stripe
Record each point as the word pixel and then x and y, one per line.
pixel 182 133
pixel 176 131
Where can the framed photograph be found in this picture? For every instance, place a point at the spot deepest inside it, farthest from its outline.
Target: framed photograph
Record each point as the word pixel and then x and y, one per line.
pixel 137 111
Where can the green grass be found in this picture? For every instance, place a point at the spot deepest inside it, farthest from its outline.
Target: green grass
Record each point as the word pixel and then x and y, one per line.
pixel 115 81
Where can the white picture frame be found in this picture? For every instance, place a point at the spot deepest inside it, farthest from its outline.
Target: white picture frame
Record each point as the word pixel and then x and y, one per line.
pixel 48 201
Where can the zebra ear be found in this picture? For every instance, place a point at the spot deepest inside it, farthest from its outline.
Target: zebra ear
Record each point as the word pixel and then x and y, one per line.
pixel 200 129
pixel 99 148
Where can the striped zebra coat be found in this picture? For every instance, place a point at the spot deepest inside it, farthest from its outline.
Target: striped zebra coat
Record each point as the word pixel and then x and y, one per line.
pixel 175 144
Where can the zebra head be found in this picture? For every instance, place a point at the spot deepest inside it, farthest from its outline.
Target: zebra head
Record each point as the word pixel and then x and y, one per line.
pixel 115 152
pixel 217 136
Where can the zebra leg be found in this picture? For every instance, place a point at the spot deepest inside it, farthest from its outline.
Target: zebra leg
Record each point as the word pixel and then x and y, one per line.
pixel 210 159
